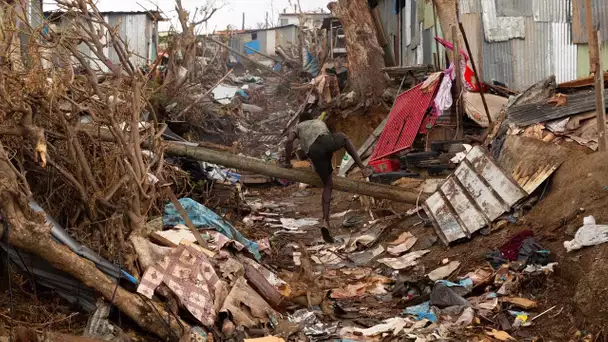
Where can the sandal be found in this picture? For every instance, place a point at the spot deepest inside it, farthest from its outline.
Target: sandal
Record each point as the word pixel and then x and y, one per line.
pixel 326 234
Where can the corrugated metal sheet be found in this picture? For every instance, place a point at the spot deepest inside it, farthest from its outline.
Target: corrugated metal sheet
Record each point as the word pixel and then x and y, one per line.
pixel 415 27
pixel 428 15
pixel 389 21
pixel 404 121
pixel 498 62
pixel 477 193
pixel 472 27
pixel 533 59
pixel 565 53
pixel 469 6
pixel 555 11
pixel 514 8
pixel 427 46
pixel 498 29
pixel 600 17
pixel 408 22
pixel 583 68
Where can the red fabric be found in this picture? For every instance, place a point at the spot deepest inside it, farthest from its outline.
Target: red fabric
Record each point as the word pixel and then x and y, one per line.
pixel 404 121
pixel 511 249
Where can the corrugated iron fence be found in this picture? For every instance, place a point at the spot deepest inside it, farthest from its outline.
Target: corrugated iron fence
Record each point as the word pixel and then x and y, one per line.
pixel 516 42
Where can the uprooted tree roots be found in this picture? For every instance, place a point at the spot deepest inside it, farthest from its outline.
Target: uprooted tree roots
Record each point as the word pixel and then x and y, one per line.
pixel 105 191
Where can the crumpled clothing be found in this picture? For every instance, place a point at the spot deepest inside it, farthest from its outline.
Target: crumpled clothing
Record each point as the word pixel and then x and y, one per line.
pixel 203 217
pixel 443 99
pixel 510 250
pixel 187 272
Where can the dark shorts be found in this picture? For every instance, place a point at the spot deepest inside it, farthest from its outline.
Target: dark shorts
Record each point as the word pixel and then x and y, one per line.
pixel 321 152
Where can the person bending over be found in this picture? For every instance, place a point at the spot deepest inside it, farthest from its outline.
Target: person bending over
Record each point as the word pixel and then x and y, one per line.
pixel 320 145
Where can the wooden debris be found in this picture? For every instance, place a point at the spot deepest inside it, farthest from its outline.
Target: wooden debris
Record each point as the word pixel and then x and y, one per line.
pixel 523 303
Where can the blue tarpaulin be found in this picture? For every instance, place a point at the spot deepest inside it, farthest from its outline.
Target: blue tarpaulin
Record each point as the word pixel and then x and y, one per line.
pixel 252 47
pixel 422 311
pixel 203 217
pixel 312 64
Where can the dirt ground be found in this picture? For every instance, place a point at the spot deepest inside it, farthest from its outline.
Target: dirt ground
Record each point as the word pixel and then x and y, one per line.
pixel 577 290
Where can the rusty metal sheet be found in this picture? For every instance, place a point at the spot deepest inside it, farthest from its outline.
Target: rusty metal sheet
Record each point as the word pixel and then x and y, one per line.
pixel 503 185
pixel 470 216
pixel 446 224
pixel 599 10
pixel 476 194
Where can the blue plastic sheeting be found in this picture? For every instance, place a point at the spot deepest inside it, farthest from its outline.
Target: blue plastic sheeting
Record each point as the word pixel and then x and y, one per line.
pixel 422 311
pixel 312 64
pixel 252 47
pixel 203 217
pixel 466 283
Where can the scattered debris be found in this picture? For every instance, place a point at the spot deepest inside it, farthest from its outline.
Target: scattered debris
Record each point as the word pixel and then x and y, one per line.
pixel 444 271
pixel 590 234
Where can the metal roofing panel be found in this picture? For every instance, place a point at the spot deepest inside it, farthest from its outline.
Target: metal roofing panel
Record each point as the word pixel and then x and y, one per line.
pixel 472 218
pixel 600 17
pixel 408 22
pixel 565 53
pixel 514 8
pixel 497 63
pixel 427 46
pixel 533 60
pixel 529 114
pixel 498 29
pixel 404 121
pixel 477 193
pixel 482 193
pixel 506 188
pixel 472 27
pixel 389 20
pixel 469 6
pixel 446 224
pixel 555 11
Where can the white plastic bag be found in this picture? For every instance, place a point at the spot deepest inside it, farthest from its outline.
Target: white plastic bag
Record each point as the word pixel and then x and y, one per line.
pixel 590 234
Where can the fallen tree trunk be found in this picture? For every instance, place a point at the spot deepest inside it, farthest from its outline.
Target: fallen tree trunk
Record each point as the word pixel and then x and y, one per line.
pixel 244 163
pixel 380 191
pixel 29 232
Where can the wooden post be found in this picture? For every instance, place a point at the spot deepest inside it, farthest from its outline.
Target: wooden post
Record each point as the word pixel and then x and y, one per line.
pixel 591 39
pixel 458 85
pixel 478 76
pixel 436 35
pixel 600 104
